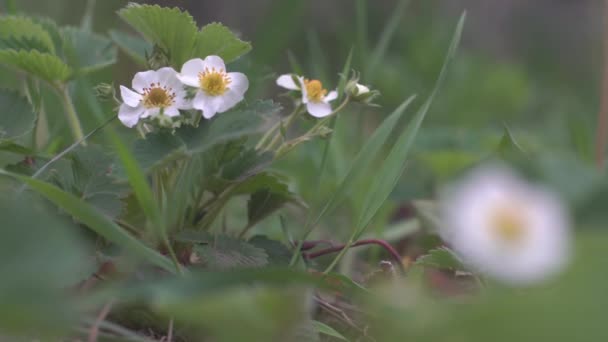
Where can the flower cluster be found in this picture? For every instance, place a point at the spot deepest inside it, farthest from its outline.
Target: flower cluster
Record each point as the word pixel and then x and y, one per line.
pixel 161 94
pixel 204 85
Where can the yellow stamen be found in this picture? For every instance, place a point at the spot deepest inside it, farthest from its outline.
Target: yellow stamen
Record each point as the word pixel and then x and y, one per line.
pixel 314 90
pixel 509 225
pixel 158 97
pixel 214 82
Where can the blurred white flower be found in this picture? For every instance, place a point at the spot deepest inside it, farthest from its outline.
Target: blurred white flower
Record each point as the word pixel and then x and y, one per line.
pixel 218 90
pixel 505 227
pixel 154 93
pixel 314 96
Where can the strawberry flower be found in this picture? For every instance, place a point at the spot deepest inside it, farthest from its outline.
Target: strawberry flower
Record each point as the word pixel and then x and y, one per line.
pixel 217 90
pixel 155 93
pixel 314 96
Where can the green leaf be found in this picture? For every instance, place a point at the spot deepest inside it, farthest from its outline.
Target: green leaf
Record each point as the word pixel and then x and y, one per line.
pixel 327 330
pixel 247 163
pixel 158 149
pixel 42 65
pixel 86 51
pixel 133 46
pixel 9 146
pixel 270 310
pixel 90 177
pixel 23 33
pixel 278 253
pixel 261 313
pixel 224 253
pixel 95 220
pixel 391 169
pixel 232 125
pixel 272 194
pixel 17 117
pixel 217 39
pixel 442 258
pixel 39 256
pixel 170 28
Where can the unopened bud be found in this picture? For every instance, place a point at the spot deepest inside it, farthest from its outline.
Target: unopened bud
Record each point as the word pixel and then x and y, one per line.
pixel 158 59
pixel 104 91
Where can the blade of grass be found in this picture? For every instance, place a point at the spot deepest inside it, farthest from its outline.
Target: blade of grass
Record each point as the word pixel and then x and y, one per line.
pixel 392 167
pixel 359 167
pixel 332 124
pixel 94 220
pixel 386 36
pixel 394 164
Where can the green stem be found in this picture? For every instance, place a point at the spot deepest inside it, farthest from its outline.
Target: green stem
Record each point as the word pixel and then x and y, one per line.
pixel 290 120
pixel 267 135
pixel 70 113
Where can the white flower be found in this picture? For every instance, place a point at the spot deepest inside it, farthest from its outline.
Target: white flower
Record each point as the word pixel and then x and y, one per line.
pixel 218 90
pixel 501 225
pixel 155 92
pixel 314 96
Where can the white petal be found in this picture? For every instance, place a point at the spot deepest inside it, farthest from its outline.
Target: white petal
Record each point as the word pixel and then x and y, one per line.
pixel 188 80
pixel 171 111
pixel 318 109
pixel 227 100
pixel 214 62
pixel 128 115
pixel 361 89
pixel 238 83
pixel 304 91
pixel 190 71
pixel 130 97
pixel 143 80
pixel 166 76
pixel 286 81
pixel 331 96
pixel 193 67
pixel 207 104
pixel 150 112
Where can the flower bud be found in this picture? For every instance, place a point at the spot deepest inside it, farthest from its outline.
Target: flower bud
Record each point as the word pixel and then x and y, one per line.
pixel 158 59
pixel 360 93
pixel 105 91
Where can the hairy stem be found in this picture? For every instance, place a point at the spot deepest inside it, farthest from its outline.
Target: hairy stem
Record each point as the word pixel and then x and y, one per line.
pixel 290 120
pixel 70 113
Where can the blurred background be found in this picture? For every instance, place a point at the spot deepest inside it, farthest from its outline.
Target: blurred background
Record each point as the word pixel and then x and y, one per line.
pixel 529 67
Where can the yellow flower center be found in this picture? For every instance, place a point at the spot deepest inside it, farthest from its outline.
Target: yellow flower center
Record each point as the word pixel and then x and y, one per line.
pixel 315 91
pixel 509 225
pixel 158 97
pixel 213 82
